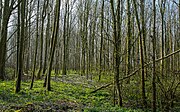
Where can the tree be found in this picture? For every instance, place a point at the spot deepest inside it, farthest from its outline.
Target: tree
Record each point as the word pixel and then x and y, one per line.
pixel 102 40
pixel 154 64
pixel 53 43
pixel 64 40
pixel 116 54
pixel 43 16
pixel 128 42
pixel 46 47
pixel 3 38
pixel 141 54
pixel 1 8
pixel 162 11
pixel 36 45
pixel 21 50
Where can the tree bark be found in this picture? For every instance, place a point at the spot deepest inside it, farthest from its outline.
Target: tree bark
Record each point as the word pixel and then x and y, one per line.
pixel 46 51
pixel 64 70
pixel 141 56
pixel 128 41
pixel 54 41
pixel 3 38
pixel 43 16
pixel 36 45
pixel 21 50
pixel 116 54
pixel 102 36
pixel 162 10
pixel 154 64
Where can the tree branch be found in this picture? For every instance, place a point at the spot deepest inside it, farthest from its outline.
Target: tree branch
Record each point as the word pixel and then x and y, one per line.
pixel 133 73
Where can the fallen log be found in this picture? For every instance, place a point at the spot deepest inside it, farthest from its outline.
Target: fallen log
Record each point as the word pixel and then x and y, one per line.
pixel 133 73
pixel 104 86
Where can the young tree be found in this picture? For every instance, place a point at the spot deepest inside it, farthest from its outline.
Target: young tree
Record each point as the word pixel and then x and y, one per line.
pixel 116 54
pixel 36 45
pixel 102 40
pixel 53 42
pixel 154 64
pixel 162 11
pixel 43 16
pixel 128 42
pixel 141 53
pixel 46 46
pixel 21 50
pixel 64 39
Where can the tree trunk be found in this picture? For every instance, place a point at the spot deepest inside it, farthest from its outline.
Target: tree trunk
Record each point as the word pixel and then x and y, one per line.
pixel 43 16
pixel 46 41
pixel 21 50
pixel 116 55
pixel 3 38
pixel 53 45
pixel 36 46
pixel 141 56
pixel 142 52
pixel 128 42
pixel 154 64
pixel 102 36
pixel 64 41
pixel 162 10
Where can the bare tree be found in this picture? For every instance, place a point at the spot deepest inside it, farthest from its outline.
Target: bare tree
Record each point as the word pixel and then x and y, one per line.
pixel 102 40
pixel 116 54
pixel 154 64
pixel 36 45
pixel 21 50
pixel 8 8
pixel 53 42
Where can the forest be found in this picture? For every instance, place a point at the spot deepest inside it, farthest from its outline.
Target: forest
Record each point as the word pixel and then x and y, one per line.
pixel 89 55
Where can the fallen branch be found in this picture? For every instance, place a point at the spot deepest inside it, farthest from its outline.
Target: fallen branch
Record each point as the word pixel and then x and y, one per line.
pixel 105 86
pixel 133 73
pixel 167 56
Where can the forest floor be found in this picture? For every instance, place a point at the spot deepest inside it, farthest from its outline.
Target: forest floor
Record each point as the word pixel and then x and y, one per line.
pixel 71 93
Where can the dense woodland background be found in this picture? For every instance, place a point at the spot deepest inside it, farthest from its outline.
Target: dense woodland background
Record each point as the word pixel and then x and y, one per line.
pixel 129 48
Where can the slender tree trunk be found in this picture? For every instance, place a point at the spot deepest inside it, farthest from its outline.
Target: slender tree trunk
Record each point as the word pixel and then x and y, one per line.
pixel 43 16
pixel 154 64
pixel 142 52
pixel 28 30
pixel 141 57
pixel 18 37
pixel 162 10
pixel 128 42
pixel 68 35
pixel 93 38
pixel 116 55
pixel 21 50
pixel 53 45
pixel 46 40
pixel 64 41
pixel 102 41
pixel 36 46
pixel 143 35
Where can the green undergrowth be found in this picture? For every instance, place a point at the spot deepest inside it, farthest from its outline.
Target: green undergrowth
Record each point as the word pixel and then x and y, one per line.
pixel 64 96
